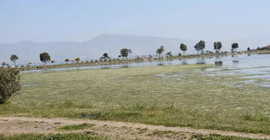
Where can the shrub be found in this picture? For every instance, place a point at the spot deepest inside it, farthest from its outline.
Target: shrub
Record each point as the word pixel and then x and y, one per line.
pixel 77 59
pixel 9 83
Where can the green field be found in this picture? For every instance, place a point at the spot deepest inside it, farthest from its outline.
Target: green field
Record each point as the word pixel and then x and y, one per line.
pixel 169 95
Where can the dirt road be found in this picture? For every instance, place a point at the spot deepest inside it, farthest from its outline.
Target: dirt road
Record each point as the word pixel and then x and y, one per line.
pixel 111 129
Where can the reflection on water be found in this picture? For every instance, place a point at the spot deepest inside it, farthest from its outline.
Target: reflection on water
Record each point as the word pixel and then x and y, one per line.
pixel 235 61
pixel 200 60
pixel 203 69
pixel 234 55
pixel 106 67
pixel 125 66
pixel 184 62
pixel 217 57
pixel 240 65
pixel 218 63
pixel 160 64
pixel 27 85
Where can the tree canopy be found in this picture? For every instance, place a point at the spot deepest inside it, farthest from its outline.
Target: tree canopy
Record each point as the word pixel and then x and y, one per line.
pixel 169 54
pixel 77 59
pixel 160 50
pixel 14 58
pixel 183 47
pixel 45 57
pixel 200 46
pixel 217 46
pixel 105 55
pixel 124 52
pixel 234 46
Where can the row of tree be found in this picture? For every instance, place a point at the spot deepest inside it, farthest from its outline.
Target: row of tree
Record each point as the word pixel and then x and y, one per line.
pixel 44 57
pixel 199 47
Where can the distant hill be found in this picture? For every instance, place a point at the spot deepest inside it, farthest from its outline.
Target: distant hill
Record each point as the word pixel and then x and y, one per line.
pixel 28 51
pixel 264 48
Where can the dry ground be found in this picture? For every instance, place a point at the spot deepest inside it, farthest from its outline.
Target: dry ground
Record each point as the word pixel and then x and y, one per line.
pixel 110 129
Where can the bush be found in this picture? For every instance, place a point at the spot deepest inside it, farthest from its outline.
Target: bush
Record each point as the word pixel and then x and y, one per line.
pixel 9 83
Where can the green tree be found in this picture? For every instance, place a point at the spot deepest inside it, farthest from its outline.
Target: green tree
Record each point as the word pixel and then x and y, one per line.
pixel 200 46
pixel 9 83
pixel 3 64
pixel 183 48
pixel 160 50
pixel 124 52
pixel 169 54
pixel 14 58
pixel 105 55
pixel 45 57
pixel 234 46
pixel 67 60
pixel 77 59
pixel 217 46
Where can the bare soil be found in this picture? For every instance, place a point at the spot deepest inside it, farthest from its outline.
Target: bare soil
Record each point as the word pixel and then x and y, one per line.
pixel 110 129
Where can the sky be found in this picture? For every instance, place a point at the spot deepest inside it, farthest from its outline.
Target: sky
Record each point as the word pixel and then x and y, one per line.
pixel 82 20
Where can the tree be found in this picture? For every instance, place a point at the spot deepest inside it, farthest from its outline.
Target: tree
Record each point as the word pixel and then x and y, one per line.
pixel 77 59
pixel 160 50
pixel 169 54
pixel 67 60
pixel 217 46
pixel 200 46
pixel 124 52
pixel 45 57
pixel 3 64
pixel 183 47
pixel 234 46
pixel 13 58
pixel 9 83
pixel 105 55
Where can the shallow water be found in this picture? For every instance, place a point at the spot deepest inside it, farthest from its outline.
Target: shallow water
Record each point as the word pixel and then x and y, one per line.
pixel 256 66
pixel 27 85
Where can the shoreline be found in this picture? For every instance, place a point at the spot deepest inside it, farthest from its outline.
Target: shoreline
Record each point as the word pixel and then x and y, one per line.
pixel 127 61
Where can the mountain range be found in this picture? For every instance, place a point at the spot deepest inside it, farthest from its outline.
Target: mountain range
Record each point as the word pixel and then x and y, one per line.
pixel 28 51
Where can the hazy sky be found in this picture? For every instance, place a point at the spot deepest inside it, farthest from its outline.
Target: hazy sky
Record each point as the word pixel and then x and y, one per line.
pixel 81 20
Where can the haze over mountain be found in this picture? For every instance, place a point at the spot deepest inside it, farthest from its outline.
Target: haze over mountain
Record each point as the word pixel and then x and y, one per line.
pixel 28 51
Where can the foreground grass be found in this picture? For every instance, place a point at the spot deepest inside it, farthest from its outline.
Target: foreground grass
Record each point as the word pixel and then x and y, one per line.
pixel 217 137
pixel 71 136
pixel 85 136
pixel 182 96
